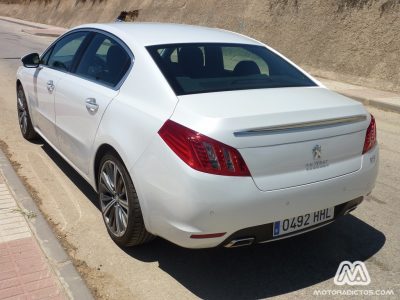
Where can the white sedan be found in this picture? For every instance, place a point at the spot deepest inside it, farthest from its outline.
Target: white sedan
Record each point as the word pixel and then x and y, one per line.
pixel 201 136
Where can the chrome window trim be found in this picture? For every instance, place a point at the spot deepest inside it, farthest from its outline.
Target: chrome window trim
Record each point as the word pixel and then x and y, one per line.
pixel 106 33
pixel 294 126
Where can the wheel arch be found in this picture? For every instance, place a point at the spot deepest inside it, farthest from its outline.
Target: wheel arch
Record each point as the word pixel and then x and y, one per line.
pixel 18 83
pixel 101 151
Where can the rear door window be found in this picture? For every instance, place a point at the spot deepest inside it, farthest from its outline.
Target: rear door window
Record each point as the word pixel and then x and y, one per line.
pixel 105 61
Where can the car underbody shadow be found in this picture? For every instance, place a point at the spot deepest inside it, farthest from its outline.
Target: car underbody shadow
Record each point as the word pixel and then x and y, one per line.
pixel 265 270
pixel 74 176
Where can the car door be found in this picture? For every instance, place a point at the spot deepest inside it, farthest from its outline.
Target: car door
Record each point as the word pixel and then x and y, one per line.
pixel 84 95
pixel 55 62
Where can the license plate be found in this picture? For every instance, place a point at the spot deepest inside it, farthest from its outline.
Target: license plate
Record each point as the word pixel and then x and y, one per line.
pixel 303 221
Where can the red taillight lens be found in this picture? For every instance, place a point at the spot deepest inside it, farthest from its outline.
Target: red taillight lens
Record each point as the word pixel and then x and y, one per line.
pixel 201 152
pixel 370 137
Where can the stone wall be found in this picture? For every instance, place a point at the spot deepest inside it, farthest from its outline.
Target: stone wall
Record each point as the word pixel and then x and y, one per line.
pixel 356 41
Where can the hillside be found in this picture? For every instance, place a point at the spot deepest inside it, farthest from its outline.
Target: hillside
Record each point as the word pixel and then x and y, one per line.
pixel 350 40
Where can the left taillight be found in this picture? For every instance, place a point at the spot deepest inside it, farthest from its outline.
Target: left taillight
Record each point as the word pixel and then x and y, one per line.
pixel 370 136
pixel 201 152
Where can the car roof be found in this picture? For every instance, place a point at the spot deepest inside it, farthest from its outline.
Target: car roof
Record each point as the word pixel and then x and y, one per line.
pixel 147 34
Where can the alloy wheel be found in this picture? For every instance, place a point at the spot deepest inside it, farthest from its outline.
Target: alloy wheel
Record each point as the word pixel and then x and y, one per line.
pixel 22 112
pixel 113 198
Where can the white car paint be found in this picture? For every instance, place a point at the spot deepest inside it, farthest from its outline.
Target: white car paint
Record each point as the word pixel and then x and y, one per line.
pixel 76 126
pixel 44 115
pixel 176 200
pixel 270 156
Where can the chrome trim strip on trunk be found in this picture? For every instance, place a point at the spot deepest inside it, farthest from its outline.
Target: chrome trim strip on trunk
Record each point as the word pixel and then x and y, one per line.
pixel 293 126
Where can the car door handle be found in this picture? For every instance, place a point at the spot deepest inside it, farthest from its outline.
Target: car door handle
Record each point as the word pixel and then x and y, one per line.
pixel 50 86
pixel 91 105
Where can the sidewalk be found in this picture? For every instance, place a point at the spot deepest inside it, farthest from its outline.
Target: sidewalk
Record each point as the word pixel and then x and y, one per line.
pixel 369 96
pixel 24 272
pixel 33 264
pixel 37 28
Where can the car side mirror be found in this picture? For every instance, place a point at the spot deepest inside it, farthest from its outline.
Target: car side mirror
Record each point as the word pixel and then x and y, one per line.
pixel 31 60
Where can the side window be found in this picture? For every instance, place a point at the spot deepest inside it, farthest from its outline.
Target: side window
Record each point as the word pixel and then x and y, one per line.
pixel 45 57
pixel 174 56
pixel 241 59
pixel 64 51
pixel 105 61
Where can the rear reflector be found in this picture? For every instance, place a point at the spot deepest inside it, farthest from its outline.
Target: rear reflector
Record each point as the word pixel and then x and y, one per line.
pixel 207 236
pixel 370 136
pixel 201 152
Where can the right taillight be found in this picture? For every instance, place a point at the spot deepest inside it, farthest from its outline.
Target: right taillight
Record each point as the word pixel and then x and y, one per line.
pixel 201 152
pixel 370 137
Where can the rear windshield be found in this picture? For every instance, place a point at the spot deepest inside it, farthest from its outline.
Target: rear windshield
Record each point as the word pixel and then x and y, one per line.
pixel 214 67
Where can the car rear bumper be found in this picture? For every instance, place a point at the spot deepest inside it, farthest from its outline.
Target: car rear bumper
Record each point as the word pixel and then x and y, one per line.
pixel 178 201
pixel 264 233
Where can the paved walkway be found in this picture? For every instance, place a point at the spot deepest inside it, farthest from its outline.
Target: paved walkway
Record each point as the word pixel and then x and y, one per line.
pixel 37 28
pixel 24 270
pixel 369 96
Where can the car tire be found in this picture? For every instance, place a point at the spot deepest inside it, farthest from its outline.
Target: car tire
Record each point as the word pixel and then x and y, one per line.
pixel 24 118
pixel 119 203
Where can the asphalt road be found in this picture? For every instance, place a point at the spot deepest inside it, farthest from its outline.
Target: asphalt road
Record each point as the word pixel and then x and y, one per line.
pixel 289 268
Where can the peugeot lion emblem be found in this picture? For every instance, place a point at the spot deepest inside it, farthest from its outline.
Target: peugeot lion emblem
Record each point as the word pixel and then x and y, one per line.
pixel 317 151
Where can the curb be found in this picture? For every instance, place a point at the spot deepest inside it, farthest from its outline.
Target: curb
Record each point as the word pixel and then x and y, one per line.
pixel 385 100
pixel 73 284
pixel 37 28
pixel 29 23
pixel 22 22
pixel 50 32
pixel 371 102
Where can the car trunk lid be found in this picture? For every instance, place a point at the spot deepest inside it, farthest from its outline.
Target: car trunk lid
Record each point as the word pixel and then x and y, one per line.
pixel 287 136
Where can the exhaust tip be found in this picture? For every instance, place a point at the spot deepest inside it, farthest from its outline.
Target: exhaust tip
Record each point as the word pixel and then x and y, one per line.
pixel 350 210
pixel 240 242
